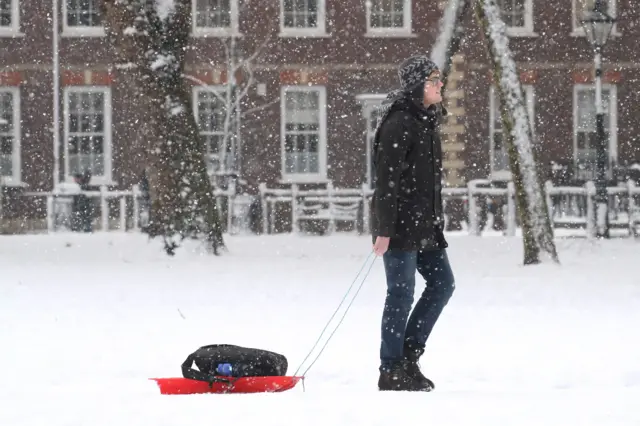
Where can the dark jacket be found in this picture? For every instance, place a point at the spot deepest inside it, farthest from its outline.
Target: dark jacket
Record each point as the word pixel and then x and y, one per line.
pixel 407 200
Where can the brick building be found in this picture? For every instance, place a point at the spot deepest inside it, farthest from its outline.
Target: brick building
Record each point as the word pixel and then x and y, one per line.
pixel 324 66
pixel 557 72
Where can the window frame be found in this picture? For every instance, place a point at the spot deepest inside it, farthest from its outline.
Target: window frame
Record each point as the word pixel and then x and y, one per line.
pixel 530 98
pixel 231 31
pixel 319 31
pixel 527 29
pixel 321 175
pixel 16 173
pixel 405 31
pixel 106 178
pixel 613 123
pixel 14 29
pixel 221 90
pixel 576 28
pixel 80 30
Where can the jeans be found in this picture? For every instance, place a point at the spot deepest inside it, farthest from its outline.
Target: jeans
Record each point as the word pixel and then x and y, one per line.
pixel 399 329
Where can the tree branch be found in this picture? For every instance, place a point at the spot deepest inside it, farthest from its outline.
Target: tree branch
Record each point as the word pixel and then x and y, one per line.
pixel 261 107
pixel 205 85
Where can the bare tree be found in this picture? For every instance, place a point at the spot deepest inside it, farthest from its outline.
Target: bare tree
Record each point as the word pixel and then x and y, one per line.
pixel 150 38
pixel 530 198
pixel 240 79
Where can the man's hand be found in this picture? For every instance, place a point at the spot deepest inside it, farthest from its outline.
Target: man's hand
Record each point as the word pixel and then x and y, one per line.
pixel 381 245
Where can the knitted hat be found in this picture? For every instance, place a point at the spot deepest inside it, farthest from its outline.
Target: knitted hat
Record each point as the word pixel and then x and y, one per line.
pixel 414 71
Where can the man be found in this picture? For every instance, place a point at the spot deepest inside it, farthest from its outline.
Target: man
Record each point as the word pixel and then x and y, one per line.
pixel 407 222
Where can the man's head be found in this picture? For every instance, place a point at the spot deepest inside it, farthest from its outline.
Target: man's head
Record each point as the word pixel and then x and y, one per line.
pixel 419 74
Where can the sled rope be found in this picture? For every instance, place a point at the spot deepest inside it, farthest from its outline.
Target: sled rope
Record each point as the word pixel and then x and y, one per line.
pixel 333 316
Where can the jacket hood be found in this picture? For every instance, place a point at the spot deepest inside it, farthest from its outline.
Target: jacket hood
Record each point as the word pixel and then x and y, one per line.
pixel 401 99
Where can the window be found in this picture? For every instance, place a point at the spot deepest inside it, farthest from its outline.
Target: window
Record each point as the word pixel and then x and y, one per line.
pixel 498 150
pixel 388 17
pixel 580 7
pixel 9 135
pixel 302 17
pixel 87 128
pixel 215 17
pixel 83 17
pixel 371 114
pixel 210 112
pixel 585 137
pixel 517 15
pixel 9 12
pixel 303 133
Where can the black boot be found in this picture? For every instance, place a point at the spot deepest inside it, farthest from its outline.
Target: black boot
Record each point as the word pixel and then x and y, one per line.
pixel 412 368
pixel 396 379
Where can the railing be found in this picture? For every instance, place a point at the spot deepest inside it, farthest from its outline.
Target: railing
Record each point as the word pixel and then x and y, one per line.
pixel 569 207
pixel 60 200
pixel 476 208
pixel 132 209
pixel 330 204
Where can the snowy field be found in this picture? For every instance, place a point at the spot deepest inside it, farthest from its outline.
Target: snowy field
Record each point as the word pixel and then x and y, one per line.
pixel 86 320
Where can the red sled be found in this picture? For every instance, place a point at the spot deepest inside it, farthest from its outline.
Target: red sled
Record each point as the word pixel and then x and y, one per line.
pixel 252 384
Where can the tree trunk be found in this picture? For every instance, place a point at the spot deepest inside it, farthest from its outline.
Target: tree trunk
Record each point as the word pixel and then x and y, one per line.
pixel 537 232
pixel 450 36
pixel 150 39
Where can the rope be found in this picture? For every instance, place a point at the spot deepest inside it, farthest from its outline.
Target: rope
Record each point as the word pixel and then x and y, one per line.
pixel 334 314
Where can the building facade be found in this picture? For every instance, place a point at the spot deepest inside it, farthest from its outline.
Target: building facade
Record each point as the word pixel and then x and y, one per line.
pixel 318 70
pixel 556 68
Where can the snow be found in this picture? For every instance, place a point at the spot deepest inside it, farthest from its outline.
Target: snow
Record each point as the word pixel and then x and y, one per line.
pixel 165 8
pixel 125 66
pixel 446 32
pixel 161 61
pixel 174 106
pixel 85 320
pixel 522 134
pixel 177 110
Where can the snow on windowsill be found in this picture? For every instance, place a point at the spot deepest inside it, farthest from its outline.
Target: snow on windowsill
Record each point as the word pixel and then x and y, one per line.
pixel 303 33
pixel 83 32
pixel 9 182
pixel 315 178
pixel 215 32
pixel 389 33
pixel 521 32
pixel 501 176
pixel 365 97
pixel 95 181
pixel 579 32
pixel 11 33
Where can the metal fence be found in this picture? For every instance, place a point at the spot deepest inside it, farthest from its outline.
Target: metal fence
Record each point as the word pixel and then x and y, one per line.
pixel 476 208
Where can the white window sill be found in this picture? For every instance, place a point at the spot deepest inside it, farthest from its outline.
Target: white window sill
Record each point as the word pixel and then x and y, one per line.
pixel 502 175
pixel 83 32
pixel 315 178
pixel 8 182
pixel 580 33
pixel 521 32
pixel 303 33
pixel 390 33
pixel 370 97
pixel 95 181
pixel 10 33
pixel 215 32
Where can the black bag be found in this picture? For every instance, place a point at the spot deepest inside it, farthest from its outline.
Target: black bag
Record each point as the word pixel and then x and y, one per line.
pixel 245 362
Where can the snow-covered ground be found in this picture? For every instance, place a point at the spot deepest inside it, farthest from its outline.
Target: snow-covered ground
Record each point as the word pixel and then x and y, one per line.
pixel 86 320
